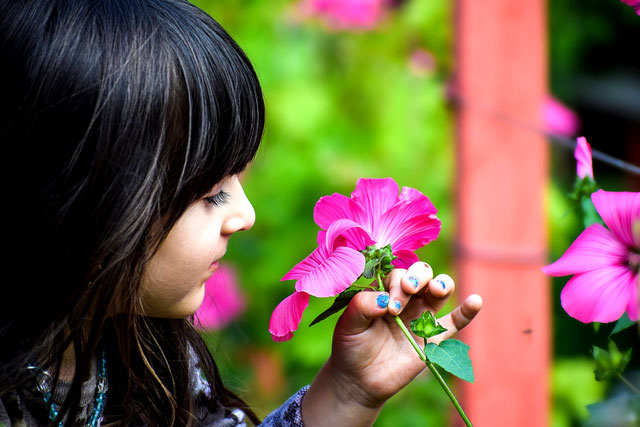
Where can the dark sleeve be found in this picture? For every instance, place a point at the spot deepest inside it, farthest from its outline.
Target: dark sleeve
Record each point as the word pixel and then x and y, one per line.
pixel 289 414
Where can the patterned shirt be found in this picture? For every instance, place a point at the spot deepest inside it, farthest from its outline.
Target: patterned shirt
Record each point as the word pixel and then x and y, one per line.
pixel 28 409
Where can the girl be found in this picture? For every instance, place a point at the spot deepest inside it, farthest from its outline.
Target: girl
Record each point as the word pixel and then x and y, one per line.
pixel 124 125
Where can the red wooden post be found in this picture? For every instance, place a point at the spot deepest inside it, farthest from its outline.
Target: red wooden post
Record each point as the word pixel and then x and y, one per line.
pixel 502 171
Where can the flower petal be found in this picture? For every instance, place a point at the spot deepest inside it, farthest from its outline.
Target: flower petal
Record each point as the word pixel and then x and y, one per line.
pixel 405 259
pixel 619 210
pixel 332 208
pixel 409 224
pixel 332 275
pixel 411 234
pixel 595 248
pixel 600 295
pixel 287 315
pixel 635 4
pixel 313 260
pixel 345 232
pixel 632 305
pixel 375 197
pixel 582 153
pixel 414 197
pixel 222 300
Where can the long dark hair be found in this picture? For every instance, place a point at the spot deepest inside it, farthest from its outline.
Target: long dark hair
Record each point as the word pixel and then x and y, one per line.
pixel 115 116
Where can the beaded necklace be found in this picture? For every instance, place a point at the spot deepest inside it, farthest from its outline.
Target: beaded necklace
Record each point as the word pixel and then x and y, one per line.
pixel 43 385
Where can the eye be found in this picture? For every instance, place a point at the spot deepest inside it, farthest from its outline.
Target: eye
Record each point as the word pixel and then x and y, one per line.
pixel 217 199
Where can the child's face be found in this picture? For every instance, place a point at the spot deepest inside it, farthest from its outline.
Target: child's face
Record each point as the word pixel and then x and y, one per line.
pixel 173 284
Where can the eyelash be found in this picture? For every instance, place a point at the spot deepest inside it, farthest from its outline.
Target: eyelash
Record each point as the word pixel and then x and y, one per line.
pixel 217 199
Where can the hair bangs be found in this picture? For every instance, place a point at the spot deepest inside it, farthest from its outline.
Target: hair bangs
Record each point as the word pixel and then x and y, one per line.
pixel 218 107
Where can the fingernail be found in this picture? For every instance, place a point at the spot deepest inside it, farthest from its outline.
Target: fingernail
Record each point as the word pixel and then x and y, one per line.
pixel 414 281
pixel 444 286
pixel 397 305
pixel 383 300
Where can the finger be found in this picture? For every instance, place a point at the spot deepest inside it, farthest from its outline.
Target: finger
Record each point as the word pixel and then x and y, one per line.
pixel 416 277
pixel 362 310
pixel 440 289
pixel 402 288
pixel 459 318
pixel 394 277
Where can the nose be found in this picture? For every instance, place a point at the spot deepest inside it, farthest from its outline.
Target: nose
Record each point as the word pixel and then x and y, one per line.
pixel 241 215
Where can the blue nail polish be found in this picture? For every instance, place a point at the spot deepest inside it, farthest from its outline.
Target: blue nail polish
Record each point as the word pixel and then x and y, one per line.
pixel 414 281
pixel 382 300
pixel 397 305
pixel 444 286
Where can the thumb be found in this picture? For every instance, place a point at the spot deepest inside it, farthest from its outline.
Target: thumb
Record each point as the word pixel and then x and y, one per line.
pixel 362 310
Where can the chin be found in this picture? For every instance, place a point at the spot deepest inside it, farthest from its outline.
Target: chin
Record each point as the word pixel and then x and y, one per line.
pixel 195 300
pixel 185 307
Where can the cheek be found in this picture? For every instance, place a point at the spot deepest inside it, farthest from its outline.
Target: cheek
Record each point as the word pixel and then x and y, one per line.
pixel 174 279
pixel 174 294
pixel 173 284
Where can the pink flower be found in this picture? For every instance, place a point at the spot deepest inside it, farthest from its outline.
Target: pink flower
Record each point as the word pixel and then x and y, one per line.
pixel 374 214
pixel 635 4
pixel 605 263
pixel 559 119
pixel 582 154
pixel 222 302
pixel 345 14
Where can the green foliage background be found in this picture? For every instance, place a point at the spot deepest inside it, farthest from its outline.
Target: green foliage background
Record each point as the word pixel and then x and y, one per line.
pixel 340 105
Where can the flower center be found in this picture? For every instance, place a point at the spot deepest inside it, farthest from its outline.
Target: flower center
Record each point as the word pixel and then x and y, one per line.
pixel 634 261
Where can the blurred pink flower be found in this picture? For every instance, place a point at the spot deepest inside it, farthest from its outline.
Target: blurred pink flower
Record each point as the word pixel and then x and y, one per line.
pixel 222 302
pixel 345 14
pixel 559 119
pixel 582 153
pixel 635 4
pixel 605 263
pixel 421 62
pixel 374 214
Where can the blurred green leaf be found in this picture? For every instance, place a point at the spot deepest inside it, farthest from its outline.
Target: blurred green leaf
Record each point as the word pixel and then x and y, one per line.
pixel 610 364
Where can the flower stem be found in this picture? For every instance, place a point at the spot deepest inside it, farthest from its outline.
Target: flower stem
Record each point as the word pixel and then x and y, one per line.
pixel 628 384
pixel 413 342
pixel 379 278
pixel 447 390
pixel 434 372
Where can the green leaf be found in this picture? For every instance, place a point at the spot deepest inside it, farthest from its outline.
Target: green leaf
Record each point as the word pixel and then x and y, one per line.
pixel 623 323
pixel 426 326
pixel 370 268
pixel 452 356
pixel 610 364
pixel 341 301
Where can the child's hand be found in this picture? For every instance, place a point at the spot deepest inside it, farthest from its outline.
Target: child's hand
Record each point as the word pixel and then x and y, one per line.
pixel 371 358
